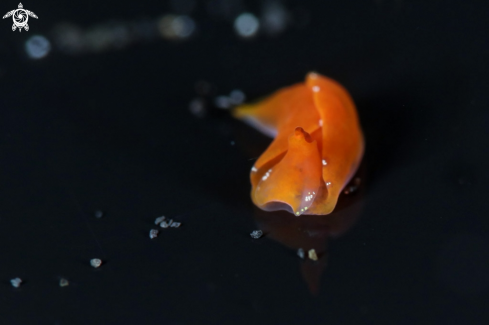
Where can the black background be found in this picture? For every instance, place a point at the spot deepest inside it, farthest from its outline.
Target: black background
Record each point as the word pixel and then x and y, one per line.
pixel 112 131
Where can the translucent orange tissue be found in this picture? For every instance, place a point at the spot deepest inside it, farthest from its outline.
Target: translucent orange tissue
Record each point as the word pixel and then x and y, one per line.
pixel 317 148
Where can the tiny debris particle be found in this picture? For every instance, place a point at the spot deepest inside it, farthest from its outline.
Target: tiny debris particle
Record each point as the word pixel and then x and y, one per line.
pixel 256 234
pixel 63 282
pixel 353 186
pixel 312 254
pixel 95 262
pixel 164 224
pixel 175 224
pixel 99 214
pixel 16 282
pixel 153 233
pixel 300 253
pixel 159 220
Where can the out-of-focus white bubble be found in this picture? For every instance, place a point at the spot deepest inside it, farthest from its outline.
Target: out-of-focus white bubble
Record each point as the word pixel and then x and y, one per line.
pixel 98 39
pixel 120 36
pixel 237 97
pixel 69 38
pixel 223 102
pixel 197 108
pixel 246 25
pixel 37 47
pixel 184 26
pixel 176 27
pixel 144 30
pixel 274 17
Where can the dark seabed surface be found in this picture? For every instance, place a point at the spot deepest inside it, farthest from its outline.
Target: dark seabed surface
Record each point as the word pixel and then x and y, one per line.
pixel 102 122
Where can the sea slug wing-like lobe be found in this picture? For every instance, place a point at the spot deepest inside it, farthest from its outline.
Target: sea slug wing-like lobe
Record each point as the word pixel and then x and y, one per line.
pixel 342 138
pixel 292 184
pixel 282 112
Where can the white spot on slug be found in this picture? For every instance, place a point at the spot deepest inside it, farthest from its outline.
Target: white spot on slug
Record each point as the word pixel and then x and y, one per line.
pixel 313 75
pixel 267 174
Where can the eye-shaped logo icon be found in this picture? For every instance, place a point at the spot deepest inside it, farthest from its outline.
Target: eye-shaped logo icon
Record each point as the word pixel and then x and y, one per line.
pixel 20 17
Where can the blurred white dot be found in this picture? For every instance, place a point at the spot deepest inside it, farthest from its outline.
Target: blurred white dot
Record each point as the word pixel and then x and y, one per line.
pixel 183 26
pixel 222 102
pixel 176 27
pixel 237 97
pixel 69 38
pixel 246 25
pixel 197 108
pixel 274 17
pixel 37 47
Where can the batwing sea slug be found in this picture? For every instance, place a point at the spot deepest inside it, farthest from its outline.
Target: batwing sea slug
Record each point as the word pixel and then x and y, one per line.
pixel 318 145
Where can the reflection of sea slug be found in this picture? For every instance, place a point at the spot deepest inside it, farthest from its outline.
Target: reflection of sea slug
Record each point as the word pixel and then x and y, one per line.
pixel 317 148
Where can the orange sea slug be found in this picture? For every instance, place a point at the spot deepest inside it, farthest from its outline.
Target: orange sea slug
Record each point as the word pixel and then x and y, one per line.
pixel 317 148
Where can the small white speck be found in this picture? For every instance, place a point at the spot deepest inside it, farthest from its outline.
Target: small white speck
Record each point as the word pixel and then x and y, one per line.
pixel 267 174
pixel 314 193
pixel 175 224
pixel 159 220
pixel 324 162
pixel 16 282
pixel 63 282
pixel 153 233
pixel 302 210
pixel 297 213
pixel 254 169
pixel 316 89
pixel 312 254
pixel 95 262
pixel 328 183
pixel 99 214
pixel 300 252
pixel 255 234
pixel 320 122
pixel 305 208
